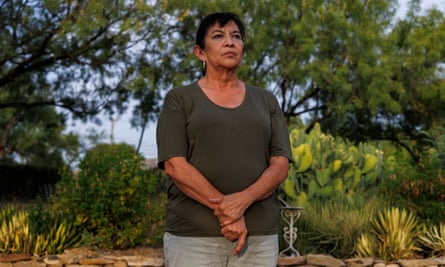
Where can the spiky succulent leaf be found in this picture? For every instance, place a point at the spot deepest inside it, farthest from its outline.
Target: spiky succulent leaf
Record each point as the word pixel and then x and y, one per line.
pixel 434 239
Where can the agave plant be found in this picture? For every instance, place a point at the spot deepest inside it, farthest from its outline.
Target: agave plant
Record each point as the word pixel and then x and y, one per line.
pixel 366 246
pixel 58 234
pixel 393 234
pixel 18 236
pixel 434 239
pixel 15 235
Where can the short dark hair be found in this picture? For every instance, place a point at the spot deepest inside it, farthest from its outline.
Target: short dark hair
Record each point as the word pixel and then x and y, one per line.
pixel 219 17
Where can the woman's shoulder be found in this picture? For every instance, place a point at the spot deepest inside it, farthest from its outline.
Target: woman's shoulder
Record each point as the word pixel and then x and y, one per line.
pixel 184 90
pixel 182 94
pixel 179 97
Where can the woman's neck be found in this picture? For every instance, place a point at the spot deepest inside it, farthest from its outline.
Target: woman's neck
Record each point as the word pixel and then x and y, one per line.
pixel 221 82
pixel 227 93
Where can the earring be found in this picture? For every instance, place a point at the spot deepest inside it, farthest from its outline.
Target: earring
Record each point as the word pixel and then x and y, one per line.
pixel 203 68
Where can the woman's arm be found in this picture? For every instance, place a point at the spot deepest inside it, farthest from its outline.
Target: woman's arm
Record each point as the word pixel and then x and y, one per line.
pixel 190 181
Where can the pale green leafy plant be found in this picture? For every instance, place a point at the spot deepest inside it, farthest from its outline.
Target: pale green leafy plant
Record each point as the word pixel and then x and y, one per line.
pixel 17 234
pixel 393 236
pixel 366 245
pixel 434 240
pixel 333 226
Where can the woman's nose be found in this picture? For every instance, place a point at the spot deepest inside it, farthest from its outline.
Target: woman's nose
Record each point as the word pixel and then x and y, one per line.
pixel 229 41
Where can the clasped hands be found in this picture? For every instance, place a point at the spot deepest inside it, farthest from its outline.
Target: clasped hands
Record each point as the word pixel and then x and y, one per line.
pixel 230 213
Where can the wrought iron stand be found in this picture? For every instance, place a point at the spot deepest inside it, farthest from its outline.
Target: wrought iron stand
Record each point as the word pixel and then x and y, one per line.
pixel 290 215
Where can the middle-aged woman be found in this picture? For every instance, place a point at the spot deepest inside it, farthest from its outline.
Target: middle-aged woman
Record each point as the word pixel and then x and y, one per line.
pixel 225 146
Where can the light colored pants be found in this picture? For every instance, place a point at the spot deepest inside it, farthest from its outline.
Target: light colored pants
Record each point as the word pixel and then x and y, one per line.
pixel 180 251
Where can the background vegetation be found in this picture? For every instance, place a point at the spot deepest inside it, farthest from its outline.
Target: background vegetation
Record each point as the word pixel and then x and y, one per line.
pixel 361 84
pixel 112 202
pixel 365 206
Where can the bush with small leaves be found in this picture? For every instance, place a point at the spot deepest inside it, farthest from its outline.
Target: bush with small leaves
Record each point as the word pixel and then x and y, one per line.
pixel 109 196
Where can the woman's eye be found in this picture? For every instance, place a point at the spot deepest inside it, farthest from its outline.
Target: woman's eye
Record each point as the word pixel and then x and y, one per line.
pixel 237 36
pixel 217 36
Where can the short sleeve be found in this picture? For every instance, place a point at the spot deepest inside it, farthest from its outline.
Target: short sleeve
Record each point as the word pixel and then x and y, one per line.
pixel 280 143
pixel 171 134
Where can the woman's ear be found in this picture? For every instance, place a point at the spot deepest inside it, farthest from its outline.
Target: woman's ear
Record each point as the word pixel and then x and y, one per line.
pixel 199 53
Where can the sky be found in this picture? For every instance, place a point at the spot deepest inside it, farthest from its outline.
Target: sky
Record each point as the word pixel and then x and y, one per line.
pixel 123 132
pixel 426 4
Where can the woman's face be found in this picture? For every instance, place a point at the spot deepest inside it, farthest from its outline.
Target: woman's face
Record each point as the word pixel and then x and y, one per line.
pixel 224 47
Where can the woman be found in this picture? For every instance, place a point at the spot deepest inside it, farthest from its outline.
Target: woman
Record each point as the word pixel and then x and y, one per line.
pixel 225 146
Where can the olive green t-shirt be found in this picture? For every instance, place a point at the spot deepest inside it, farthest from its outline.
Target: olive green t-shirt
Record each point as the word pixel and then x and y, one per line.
pixel 231 147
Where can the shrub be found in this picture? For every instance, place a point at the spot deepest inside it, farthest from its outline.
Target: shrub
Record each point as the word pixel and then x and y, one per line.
pixel 14 231
pixel 334 226
pixel 392 237
pixel 433 240
pixel 156 219
pixel 21 231
pixel 418 187
pixel 157 204
pixel 109 196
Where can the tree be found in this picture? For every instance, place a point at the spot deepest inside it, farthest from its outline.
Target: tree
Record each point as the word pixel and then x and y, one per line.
pixel 418 67
pixel 35 137
pixel 349 65
pixel 304 51
pixel 79 57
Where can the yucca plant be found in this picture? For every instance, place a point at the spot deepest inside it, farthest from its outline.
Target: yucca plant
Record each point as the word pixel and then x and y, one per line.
pixel 393 236
pixel 366 245
pixel 19 234
pixel 61 235
pixel 15 235
pixel 433 240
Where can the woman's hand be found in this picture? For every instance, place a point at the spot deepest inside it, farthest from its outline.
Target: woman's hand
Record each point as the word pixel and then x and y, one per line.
pixel 236 231
pixel 230 208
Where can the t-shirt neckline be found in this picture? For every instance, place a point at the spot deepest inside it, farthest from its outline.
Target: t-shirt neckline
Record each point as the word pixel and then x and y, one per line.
pixel 201 92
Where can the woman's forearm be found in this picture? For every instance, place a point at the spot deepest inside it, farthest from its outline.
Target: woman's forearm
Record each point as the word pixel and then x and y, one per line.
pixel 269 180
pixel 191 182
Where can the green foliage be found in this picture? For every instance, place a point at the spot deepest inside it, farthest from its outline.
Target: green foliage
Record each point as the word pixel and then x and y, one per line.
pixel 35 136
pixel 326 167
pixel 419 187
pixel 59 59
pixel 43 229
pixel 14 232
pixel 353 66
pixel 54 231
pixel 433 240
pixel 393 236
pixel 333 226
pixel 156 220
pixel 109 196
pixel 36 232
